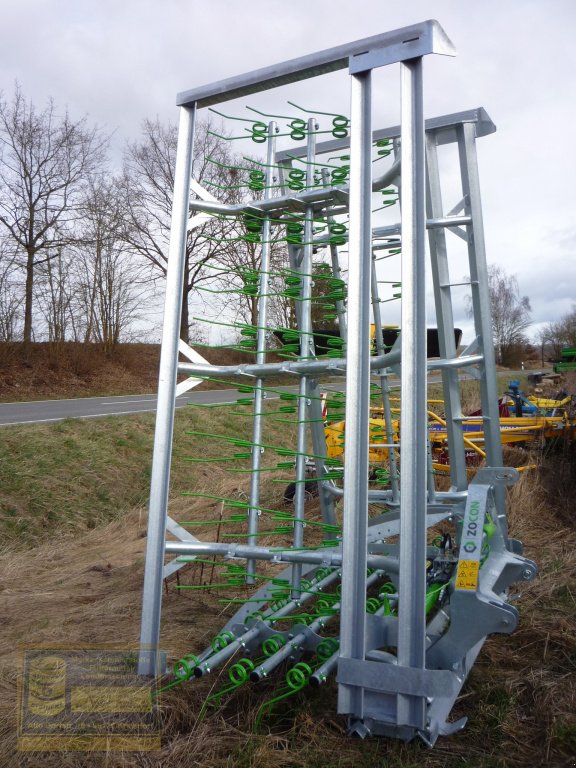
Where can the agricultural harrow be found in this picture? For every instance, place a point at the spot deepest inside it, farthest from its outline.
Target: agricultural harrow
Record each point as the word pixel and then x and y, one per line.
pixel 526 422
pixel 384 584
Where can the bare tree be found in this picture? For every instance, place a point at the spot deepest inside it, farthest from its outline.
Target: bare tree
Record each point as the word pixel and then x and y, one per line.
pixel 240 257
pixel 510 315
pixel 148 188
pixel 559 334
pixel 45 162
pixel 10 294
pixel 54 295
pixel 109 285
pixel 510 312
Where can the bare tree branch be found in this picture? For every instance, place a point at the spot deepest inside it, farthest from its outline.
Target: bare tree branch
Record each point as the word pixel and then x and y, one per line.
pixel 46 160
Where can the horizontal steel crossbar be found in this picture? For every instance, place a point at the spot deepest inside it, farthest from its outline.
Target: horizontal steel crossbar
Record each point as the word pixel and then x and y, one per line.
pixel 407 43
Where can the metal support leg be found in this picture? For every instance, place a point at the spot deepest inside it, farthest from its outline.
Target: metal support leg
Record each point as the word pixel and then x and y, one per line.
pixel 353 624
pixel 306 352
pixel 412 582
pixel 445 322
pixel 254 511
pixel 481 308
pixel 385 387
pixel 159 485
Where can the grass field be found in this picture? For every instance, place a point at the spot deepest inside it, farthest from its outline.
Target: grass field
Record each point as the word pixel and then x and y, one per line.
pixel 73 520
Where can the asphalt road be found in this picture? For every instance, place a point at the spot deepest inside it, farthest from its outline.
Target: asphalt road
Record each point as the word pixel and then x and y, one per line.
pixel 39 411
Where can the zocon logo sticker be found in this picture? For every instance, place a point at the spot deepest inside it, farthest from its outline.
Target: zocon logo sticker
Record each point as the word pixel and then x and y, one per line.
pixel 472 528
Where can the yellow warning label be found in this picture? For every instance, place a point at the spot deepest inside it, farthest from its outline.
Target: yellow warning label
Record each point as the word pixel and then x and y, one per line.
pixel 467 575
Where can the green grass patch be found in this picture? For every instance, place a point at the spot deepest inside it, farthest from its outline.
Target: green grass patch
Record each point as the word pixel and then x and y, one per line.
pixel 79 473
pixel 72 474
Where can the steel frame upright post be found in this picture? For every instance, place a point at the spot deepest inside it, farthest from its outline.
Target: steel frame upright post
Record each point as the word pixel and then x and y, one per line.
pixel 149 660
pixel 384 387
pixel 482 314
pixel 445 320
pixel 336 272
pixel 254 511
pixel 413 429
pixel 306 351
pixel 355 523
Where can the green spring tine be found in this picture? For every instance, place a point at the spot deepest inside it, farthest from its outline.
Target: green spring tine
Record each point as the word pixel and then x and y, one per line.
pixel 372 604
pixel 238 601
pixel 222 640
pixel 296 679
pixel 183 669
pixel 208 461
pixel 272 645
pixel 325 608
pixel 277 582
pixel 327 648
pixel 239 673
pixel 245 535
pixel 222 585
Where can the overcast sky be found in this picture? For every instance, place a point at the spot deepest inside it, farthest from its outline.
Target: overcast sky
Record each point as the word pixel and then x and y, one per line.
pixel 120 61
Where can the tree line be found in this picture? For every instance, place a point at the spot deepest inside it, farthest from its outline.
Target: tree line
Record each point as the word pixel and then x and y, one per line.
pixel 511 319
pixel 83 245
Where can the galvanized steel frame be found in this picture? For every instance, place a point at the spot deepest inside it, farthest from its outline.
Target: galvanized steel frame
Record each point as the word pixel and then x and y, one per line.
pixel 406 698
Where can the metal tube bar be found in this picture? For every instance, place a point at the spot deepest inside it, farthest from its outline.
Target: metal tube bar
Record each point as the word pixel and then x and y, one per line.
pixel 294 643
pixel 306 351
pixel 298 368
pixel 315 197
pixel 445 321
pixel 225 653
pixel 432 223
pixel 481 310
pixel 324 557
pixel 457 362
pixel 321 674
pixel 384 385
pixel 254 511
pixel 287 650
pixel 444 127
pixel 159 486
pixel 385 496
pixel 303 368
pixel 219 657
pixel 396 45
pixel 412 577
pixel 355 524
pixel 335 261
pixel 319 449
pixel 327 196
pixel 430 471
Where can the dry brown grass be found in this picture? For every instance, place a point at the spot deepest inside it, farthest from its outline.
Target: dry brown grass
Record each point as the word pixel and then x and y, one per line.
pixel 71 369
pixel 85 588
pixel 76 370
